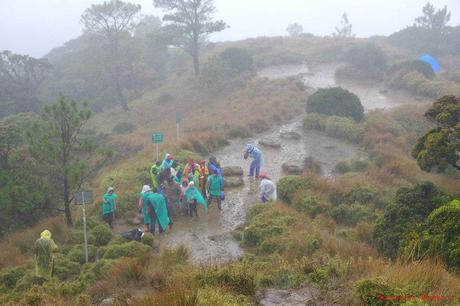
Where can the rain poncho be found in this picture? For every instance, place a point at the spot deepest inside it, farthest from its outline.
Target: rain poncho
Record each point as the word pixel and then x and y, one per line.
pixel 167 163
pixel 154 172
pixel 108 203
pixel 145 212
pixel 44 259
pixel 215 185
pixel 268 190
pixel 158 203
pixel 255 154
pixel 192 193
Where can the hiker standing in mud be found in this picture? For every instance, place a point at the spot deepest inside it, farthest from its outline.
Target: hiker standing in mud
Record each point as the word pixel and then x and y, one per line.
pixel 257 162
pixel 109 206
pixel 215 189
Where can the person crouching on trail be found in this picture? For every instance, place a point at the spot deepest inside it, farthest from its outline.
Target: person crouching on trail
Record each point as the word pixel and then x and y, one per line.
pixel 156 205
pixel 109 206
pixel 267 189
pixel 215 188
pixel 143 207
pixel 258 160
pixel 44 258
pixel 192 197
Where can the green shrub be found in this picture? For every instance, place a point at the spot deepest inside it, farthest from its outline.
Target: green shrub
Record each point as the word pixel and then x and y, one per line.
pixel 211 296
pixel 102 234
pixel 123 128
pixel 265 226
pixel 443 226
pixel 344 128
pixel 335 126
pixel 77 253
pixel 65 269
pixel 335 101
pixel 355 165
pixel 95 271
pixel 128 249
pixel 351 214
pixel 148 239
pixel 311 205
pixel 289 185
pixel 329 273
pixel 372 292
pixel 362 194
pixel 409 209
pixel 235 277
pixel 9 277
pixel 239 59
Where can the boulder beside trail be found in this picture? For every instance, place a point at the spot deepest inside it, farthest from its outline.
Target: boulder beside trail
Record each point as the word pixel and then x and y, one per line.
pixel 269 143
pixel 294 167
pixel 232 171
pixel 291 135
pixel 230 182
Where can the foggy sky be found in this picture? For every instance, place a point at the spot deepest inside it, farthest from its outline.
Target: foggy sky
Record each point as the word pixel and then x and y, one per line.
pixel 34 27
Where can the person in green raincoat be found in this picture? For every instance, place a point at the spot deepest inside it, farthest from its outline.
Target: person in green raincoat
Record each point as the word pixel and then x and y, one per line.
pixel 192 197
pixel 156 205
pixel 154 172
pixel 44 258
pixel 215 188
pixel 109 206
pixel 143 207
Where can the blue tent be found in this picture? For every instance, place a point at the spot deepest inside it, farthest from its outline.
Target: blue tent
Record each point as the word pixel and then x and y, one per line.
pixel 433 62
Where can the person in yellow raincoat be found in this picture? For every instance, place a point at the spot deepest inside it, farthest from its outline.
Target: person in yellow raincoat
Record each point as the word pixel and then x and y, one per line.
pixel 45 248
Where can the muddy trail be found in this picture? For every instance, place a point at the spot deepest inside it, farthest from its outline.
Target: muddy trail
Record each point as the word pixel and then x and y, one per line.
pixel 208 236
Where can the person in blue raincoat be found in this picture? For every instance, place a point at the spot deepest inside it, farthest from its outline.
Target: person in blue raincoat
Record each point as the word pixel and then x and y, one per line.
pixel 167 162
pixel 258 160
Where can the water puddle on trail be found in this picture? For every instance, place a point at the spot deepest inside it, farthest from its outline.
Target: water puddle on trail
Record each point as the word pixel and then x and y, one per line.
pixel 208 237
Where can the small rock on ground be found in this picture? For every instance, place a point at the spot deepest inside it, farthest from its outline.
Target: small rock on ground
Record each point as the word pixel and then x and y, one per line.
pixel 233 182
pixel 232 171
pixel 269 143
pixel 291 135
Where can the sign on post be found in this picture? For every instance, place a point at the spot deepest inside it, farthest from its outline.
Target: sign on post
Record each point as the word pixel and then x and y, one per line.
pixel 82 198
pixel 157 138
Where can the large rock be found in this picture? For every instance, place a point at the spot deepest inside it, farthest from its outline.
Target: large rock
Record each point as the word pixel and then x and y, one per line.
pixel 269 143
pixel 294 167
pixel 291 135
pixel 107 302
pixel 233 182
pixel 232 171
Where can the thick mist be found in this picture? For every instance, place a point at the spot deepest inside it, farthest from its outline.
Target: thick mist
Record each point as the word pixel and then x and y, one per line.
pixel 35 27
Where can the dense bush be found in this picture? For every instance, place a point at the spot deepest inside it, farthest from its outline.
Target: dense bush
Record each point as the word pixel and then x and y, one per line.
pixel 265 226
pixel 9 277
pixel 128 249
pixel 409 209
pixel 371 292
pixel 148 239
pixel 239 59
pixel 66 269
pixel 77 253
pixel 351 214
pixel 303 201
pixel 102 234
pixel 335 126
pixel 289 185
pixel 419 66
pixel 355 165
pixel 123 128
pixel 443 228
pixel 335 101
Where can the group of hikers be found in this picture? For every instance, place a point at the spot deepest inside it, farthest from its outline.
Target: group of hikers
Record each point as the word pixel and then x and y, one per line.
pixel 182 185
pixel 175 185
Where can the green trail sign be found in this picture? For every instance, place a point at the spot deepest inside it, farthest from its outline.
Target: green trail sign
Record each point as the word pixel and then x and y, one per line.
pixel 157 137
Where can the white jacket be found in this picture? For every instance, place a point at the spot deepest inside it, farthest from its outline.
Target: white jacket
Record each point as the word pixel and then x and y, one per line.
pixel 268 190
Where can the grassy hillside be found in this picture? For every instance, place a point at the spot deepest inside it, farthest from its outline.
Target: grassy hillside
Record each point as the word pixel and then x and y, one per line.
pixel 297 242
